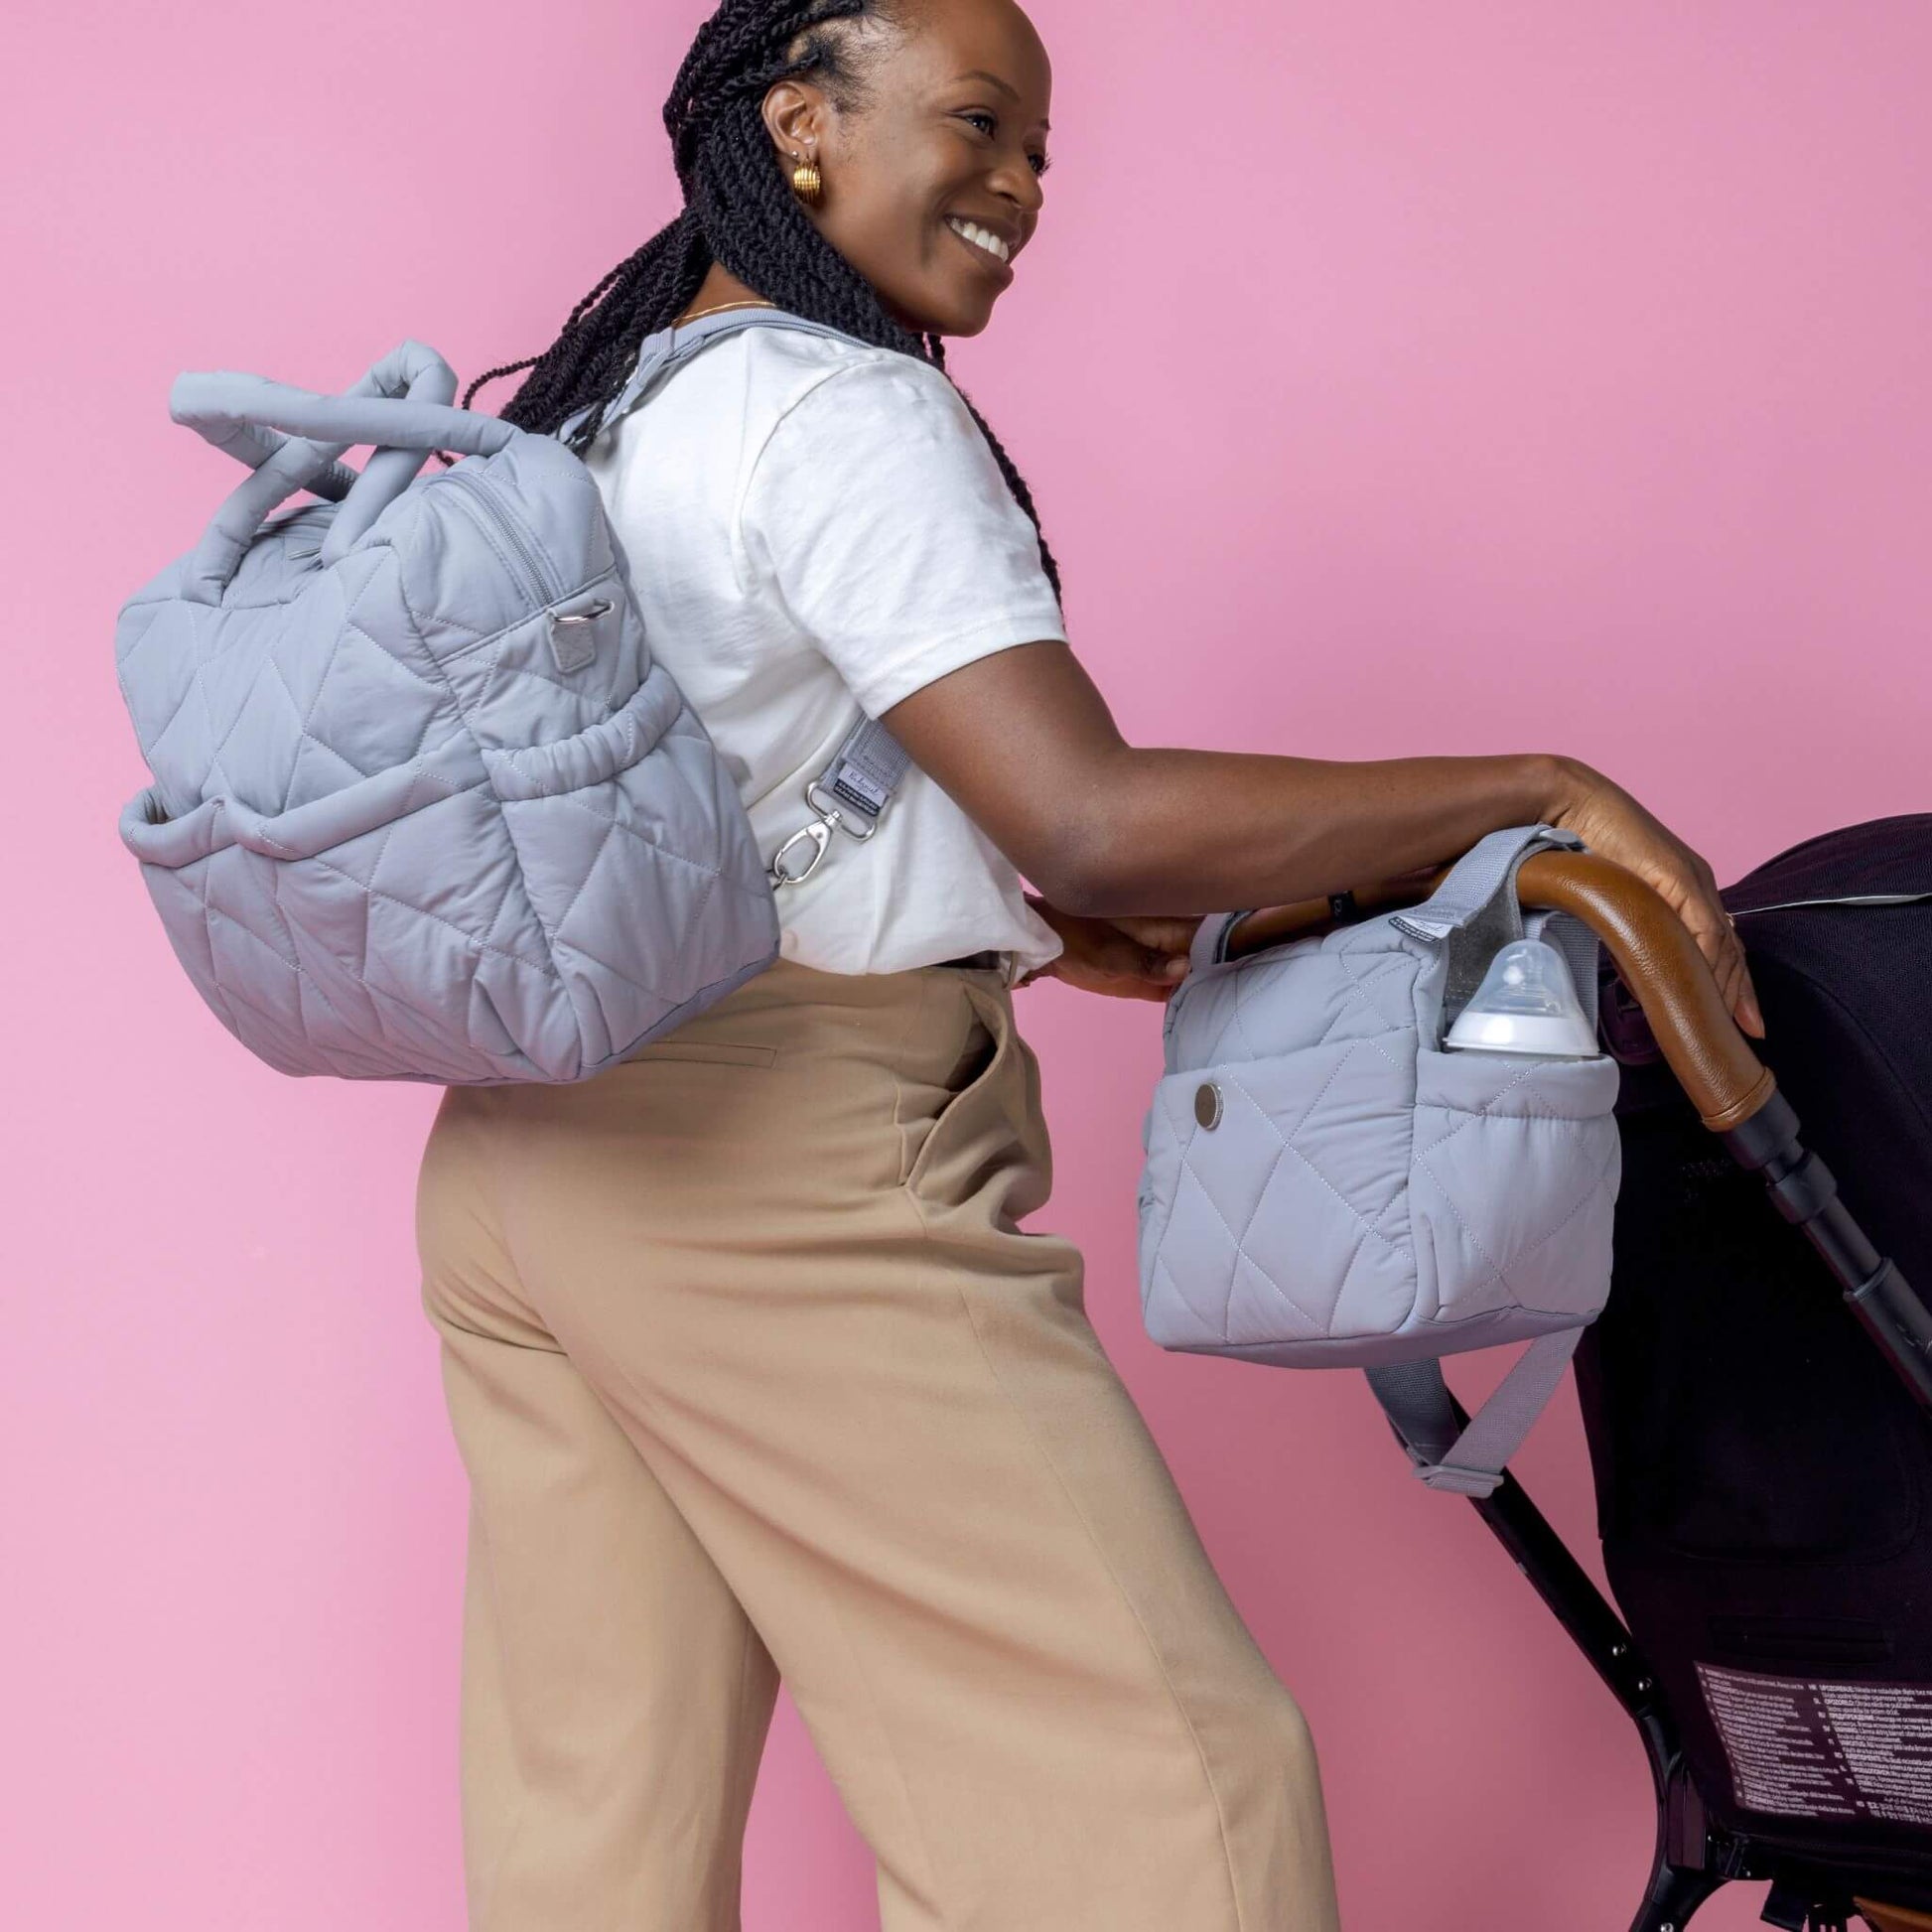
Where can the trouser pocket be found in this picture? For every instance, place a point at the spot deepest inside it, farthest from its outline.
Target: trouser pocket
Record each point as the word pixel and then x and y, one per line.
pixel 980 1125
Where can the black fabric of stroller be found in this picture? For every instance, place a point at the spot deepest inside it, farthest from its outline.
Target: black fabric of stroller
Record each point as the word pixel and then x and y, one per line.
pixel 1763 1477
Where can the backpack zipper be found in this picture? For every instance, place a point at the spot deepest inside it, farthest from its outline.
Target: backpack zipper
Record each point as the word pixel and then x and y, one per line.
pixel 483 501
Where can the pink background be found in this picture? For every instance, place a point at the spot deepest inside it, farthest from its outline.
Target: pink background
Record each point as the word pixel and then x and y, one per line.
pixel 1394 379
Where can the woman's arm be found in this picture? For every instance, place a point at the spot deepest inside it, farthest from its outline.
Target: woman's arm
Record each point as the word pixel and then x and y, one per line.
pixel 1025 743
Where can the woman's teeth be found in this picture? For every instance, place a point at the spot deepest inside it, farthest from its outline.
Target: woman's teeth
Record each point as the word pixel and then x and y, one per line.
pixel 978 237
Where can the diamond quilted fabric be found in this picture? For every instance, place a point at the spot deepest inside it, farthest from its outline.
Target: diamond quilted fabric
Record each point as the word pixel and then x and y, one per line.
pixel 1325 1187
pixel 430 811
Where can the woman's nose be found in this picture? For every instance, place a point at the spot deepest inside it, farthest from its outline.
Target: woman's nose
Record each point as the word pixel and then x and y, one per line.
pixel 1019 183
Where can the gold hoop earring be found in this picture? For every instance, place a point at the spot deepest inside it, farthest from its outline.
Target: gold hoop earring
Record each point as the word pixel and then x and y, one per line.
pixel 806 183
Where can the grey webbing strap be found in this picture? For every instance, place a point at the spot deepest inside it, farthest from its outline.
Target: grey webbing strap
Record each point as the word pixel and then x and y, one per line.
pixel 1470 1462
pixel 657 354
pixel 865 771
pixel 1475 912
pixel 663 349
pixel 849 795
pixel 1578 946
pixel 857 783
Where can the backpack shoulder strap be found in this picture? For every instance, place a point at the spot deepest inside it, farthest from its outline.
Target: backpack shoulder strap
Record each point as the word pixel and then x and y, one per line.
pixel 858 782
pixel 663 349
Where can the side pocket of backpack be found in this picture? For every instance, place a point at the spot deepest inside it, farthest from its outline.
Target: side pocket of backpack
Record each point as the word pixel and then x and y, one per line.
pixel 623 849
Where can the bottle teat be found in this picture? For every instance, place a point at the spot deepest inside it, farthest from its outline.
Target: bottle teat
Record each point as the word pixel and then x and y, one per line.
pixel 1526 1004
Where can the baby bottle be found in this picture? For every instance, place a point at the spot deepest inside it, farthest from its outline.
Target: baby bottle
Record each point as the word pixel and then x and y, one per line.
pixel 1526 1004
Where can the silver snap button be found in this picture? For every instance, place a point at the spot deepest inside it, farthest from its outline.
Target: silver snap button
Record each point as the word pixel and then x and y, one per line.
pixel 1207 1104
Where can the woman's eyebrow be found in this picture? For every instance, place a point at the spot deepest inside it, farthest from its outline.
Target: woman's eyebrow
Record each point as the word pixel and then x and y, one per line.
pixel 1005 87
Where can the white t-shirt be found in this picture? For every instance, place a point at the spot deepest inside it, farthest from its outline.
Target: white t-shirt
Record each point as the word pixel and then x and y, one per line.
pixel 813 525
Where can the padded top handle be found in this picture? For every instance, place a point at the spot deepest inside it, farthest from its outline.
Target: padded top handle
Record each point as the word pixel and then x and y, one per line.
pixel 401 407
pixel 249 442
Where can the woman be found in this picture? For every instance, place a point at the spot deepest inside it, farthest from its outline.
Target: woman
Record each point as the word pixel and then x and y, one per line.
pixel 752 1370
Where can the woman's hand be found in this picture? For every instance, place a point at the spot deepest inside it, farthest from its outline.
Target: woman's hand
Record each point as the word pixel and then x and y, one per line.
pixel 1132 959
pixel 1610 822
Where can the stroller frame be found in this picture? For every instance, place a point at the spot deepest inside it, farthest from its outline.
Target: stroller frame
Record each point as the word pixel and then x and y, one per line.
pixel 1683 1011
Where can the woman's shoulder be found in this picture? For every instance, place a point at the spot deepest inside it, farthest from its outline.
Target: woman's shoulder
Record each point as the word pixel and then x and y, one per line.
pixel 770 382
pixel 796 362
pixel 816 391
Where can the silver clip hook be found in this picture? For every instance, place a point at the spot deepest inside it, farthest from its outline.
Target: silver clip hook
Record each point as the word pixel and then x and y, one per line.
pixel 818 834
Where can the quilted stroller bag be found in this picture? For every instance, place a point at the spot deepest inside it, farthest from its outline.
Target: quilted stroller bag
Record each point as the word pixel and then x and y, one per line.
pixel 424 807
pixel 1327 1185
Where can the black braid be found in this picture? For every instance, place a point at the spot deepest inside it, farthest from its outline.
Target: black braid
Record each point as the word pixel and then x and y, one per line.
pixel 739 210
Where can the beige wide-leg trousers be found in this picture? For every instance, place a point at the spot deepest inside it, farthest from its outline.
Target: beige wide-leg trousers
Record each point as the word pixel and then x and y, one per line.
pixel 754 1374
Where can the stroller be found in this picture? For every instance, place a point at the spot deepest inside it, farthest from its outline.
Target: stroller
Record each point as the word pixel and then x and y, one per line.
pixel 1757 1394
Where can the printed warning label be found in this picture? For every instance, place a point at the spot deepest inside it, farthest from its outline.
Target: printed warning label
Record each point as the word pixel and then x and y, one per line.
pixel 1806 1750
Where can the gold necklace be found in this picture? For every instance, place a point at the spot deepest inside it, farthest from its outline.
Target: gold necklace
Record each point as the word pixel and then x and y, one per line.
pixel 719 307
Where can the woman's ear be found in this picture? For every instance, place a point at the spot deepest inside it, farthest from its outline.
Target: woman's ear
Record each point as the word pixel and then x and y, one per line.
pixel 794 117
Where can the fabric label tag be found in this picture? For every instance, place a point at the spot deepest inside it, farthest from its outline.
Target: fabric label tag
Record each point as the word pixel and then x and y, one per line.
pixel 1806 1748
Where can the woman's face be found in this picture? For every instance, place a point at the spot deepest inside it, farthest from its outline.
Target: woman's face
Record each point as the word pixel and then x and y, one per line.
pixel 952 133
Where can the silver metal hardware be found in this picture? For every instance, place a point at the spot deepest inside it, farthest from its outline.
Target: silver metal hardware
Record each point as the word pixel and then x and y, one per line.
pixel 831 818
pixel 1207 1104
pixel 836 814
pixel 573 635
pixel 818 835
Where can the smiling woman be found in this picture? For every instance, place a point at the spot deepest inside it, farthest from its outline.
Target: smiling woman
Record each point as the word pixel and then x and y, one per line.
pixel 930 116
pixel 753 1368
pixel 944 148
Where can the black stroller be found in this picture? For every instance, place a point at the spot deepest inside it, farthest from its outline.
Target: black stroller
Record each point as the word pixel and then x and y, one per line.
pixel 1758 1405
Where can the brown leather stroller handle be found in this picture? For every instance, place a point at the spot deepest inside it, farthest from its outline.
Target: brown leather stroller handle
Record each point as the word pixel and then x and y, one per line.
pixel 1303 917
pixel 1658 959
pixel 1662 965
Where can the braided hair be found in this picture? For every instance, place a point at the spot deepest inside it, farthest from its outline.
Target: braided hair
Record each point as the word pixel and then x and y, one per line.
pixel 738 210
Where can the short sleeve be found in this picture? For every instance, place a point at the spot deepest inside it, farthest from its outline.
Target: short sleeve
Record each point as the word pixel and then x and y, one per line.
pixel 880 514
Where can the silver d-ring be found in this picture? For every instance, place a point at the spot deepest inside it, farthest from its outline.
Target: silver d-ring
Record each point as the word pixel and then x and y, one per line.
pixel 835 815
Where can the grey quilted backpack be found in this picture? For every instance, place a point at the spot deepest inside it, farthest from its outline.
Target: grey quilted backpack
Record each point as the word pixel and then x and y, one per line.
pixel 1327 1185
pixel 424 807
